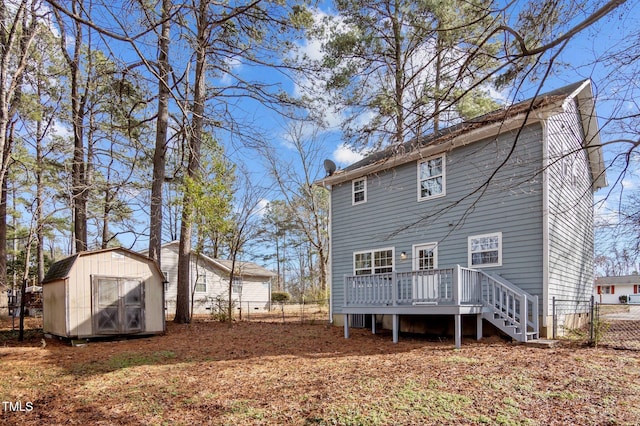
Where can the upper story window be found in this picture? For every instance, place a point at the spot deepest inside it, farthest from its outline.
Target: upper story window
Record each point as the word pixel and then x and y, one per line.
pixel 373 262
pixel 359 190
pixel 485 250
pixel 431 178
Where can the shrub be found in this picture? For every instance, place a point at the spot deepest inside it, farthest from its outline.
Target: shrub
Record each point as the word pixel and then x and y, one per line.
pixel 623 298
pixel 280 296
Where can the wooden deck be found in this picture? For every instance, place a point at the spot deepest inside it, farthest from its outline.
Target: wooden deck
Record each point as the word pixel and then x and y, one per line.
pixel 453 291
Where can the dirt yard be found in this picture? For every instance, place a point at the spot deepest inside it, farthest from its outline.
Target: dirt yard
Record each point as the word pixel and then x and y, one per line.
pixel 294 374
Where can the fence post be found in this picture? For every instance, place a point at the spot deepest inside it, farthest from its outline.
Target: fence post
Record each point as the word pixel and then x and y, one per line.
pixel 593 320
pixel 553 318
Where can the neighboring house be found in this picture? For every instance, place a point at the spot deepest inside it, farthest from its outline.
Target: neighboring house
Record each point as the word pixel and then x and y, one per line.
pixel 103 293
pixel 209 285
pixel 489 219
pixel 609 289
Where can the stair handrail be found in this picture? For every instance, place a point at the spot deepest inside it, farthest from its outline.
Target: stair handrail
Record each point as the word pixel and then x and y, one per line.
pixel 525 299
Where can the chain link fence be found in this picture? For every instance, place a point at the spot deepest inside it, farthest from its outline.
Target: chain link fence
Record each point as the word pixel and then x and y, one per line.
pixel 305 312
pixel 598 324
pixel 310 311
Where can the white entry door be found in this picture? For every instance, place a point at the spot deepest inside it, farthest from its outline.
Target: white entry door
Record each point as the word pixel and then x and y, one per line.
pixel 425 285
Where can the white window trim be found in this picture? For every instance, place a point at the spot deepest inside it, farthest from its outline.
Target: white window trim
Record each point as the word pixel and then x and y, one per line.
pixel 237 281
pixel 198 282
pixel 486 265
pixel 353 191
pixel 444 177
pixel 372 252
pixel 415 261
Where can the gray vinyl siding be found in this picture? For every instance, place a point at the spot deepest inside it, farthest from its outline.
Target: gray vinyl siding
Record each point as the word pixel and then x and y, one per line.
pixel 393 216
pixel 570 209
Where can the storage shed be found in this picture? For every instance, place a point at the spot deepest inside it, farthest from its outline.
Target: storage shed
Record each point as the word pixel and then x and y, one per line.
pixel 103 293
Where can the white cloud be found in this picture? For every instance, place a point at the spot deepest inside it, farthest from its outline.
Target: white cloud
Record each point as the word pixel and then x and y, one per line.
pixel 345 155
pixel 262 206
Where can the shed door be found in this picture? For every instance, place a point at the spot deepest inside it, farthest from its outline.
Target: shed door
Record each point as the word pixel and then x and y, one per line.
pixel 118 305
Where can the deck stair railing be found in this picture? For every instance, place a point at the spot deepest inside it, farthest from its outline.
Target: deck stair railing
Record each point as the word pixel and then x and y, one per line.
pixel 508 307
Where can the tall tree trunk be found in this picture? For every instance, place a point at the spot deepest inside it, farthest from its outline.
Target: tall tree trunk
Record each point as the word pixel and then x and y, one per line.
pixel 159 160
pixel 78 170
pixel 3 233
pixel 437 96
pixel 193 168
pixel 399 75
pixel 39 194
pixel 105 217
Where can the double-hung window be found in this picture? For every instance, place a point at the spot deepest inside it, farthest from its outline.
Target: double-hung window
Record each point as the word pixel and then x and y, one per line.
pixel 201 283
pixel 485 250
pixel 359 191
pixel 373 262
pixel 431 178
pixel 236 285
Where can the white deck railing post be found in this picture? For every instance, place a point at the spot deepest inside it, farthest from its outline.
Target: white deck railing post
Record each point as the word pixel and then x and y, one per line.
pixel 394 288
pixel 534 314
pixel 346 289
pixel 456 285
pixel 524 316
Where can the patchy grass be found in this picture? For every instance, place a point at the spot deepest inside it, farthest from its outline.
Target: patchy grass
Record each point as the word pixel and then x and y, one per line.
pixel 294 374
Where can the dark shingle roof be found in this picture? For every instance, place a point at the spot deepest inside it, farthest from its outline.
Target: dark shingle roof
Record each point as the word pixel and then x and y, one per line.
pixel 60 269
pixel 455 130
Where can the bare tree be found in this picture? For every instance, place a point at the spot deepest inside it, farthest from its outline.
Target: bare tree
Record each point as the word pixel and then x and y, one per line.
pixel 308 205
pixel 245 225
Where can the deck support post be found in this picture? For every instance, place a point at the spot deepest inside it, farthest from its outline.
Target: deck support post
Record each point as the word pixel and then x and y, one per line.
pixel 396 327
pixel 479 326
pixel 346 326
pixel 458 330
pixel 373 323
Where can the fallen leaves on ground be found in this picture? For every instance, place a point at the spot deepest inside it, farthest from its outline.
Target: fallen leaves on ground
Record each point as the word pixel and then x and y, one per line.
pixel 296 374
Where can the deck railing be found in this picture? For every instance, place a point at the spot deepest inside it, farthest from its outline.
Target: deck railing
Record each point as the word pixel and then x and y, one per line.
pixel 452 286
pixel 510 306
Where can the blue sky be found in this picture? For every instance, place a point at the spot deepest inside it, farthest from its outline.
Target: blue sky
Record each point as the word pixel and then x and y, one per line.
pixel 580 59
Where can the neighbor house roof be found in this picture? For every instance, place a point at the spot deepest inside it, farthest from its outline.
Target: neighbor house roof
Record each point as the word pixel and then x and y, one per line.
pixel 489 125
pixel 624 279
pixel 61 269
pixel 246 269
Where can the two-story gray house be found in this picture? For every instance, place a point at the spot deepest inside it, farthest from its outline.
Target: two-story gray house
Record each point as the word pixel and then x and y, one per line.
pixel 487 220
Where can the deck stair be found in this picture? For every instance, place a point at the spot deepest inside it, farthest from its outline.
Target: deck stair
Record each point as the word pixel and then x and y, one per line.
pixel 509 308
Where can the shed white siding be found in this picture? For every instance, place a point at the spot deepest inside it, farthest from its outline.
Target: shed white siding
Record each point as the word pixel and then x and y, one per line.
pixel 54 317
pixel 71 297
